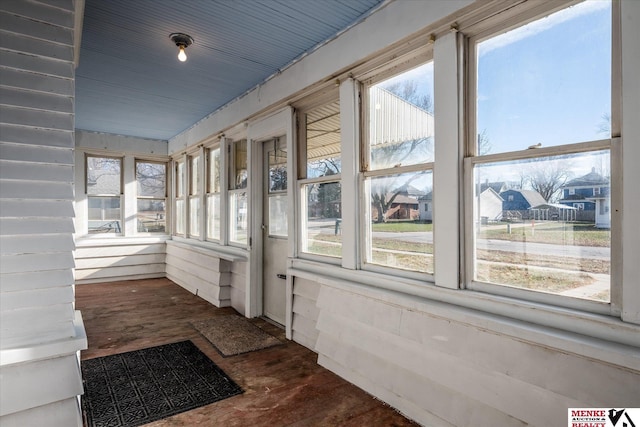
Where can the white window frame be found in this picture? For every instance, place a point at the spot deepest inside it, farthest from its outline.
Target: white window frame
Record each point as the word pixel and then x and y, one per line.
pixel 165 198
pixel 121 159
pixel 180 182
pixel 209 190
pixel 302 181
pixel 393 69
pixel 493 26
pixel 232 191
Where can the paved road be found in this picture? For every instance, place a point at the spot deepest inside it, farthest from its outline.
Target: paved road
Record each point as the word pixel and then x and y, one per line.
pixel 588 252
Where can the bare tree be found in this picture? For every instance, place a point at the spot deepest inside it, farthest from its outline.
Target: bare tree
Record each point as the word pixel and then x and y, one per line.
pixel 547 178
pixel 484 145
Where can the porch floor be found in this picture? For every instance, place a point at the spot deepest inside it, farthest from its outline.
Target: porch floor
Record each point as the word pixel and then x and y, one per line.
pixel 284 386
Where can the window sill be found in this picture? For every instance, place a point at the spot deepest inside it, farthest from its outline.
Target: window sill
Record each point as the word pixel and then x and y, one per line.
pixel 225 252
pixel 596 336
pixel 90 241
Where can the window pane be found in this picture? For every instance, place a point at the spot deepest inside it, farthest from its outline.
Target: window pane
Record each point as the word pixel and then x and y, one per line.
pixel 214 170
pixel 541 224
pixel 238 217
pixel 400 232
pixel 323 141
pixel 278 215
pixel 194 215
pixel 179 216
pixel 240 176
pixel 103 175
pixel 277 166
pixel 104 214
pixel 151 179
pixel 151 216
pixel 401 119
pixel 323 220
pixel 548 82
pixel 180 179
pixel 194 182
pixel 213 219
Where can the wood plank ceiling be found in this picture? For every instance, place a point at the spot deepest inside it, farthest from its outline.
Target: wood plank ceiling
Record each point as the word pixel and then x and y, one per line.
pixel 130 82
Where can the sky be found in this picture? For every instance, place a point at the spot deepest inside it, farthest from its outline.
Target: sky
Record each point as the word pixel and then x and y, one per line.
pixel 548 82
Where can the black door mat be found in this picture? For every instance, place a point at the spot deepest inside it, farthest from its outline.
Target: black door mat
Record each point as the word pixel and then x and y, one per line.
pixel 138 387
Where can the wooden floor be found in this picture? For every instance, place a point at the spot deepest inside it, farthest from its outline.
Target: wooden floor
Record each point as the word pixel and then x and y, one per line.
pixel 284 386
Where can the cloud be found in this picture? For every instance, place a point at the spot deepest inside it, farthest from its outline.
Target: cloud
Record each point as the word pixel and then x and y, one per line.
pixel 541 25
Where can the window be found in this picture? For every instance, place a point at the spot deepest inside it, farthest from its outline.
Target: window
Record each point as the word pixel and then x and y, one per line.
pixel 213 194
pixel 320 181
pixel 104 190
pixel 277 191
pixel 542 119
pixel 151 180
pixel 194 196
pixel 180 197
pixel 238 193
pixel 398 171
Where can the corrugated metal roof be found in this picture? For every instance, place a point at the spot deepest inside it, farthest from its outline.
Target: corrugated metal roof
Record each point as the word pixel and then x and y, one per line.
pixel 130 82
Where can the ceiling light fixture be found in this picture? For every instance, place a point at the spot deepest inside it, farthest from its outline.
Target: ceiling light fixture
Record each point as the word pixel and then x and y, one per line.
pixel 183 41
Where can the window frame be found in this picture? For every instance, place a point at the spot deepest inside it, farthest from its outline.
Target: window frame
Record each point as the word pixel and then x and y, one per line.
pixel 179 196
pixel 233 190
pixel 165 198
pixel 217 146
pixel 194 194
pixel 302 181
pixel 501 22
pixel 120 195
pixel 392 69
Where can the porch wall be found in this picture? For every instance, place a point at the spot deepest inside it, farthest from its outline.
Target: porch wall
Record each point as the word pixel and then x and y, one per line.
pixel 40 333
pixel 442 365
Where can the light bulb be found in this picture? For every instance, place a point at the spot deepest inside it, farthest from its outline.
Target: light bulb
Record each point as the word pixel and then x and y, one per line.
pixel 182 56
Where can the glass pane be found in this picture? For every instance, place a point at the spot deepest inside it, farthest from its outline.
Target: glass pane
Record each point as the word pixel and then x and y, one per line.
pixel 278 215
pixel 180 179
pixel 238 217
pixel 323 141
pixel 400 232
pixel 323 234
pixel 104 215
pixel 213 218
pixel 179 216
pixel 241 175
pixel 277 166
pixel 195 175
pixel 103 175
pixel 151 179
pixel 543 224
pixel 547 82
pixel 401 119
pixel 194 216
pixel 151 216
pixel 214 170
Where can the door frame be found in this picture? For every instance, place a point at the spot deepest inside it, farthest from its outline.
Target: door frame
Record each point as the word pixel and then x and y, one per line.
pixel 281 123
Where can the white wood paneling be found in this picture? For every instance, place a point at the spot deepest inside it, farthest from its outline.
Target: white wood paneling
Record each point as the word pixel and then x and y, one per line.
pixel 305 312
pixel 453 370
pixel 201 272
pixel 40 332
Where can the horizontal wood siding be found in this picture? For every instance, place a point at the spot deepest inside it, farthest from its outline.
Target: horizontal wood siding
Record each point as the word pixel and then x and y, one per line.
pixel 201 272
pixel 106 263
pixel 239 272
pixel 41 381
pixel 305 312
pixel 36 171
pixel 440 371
